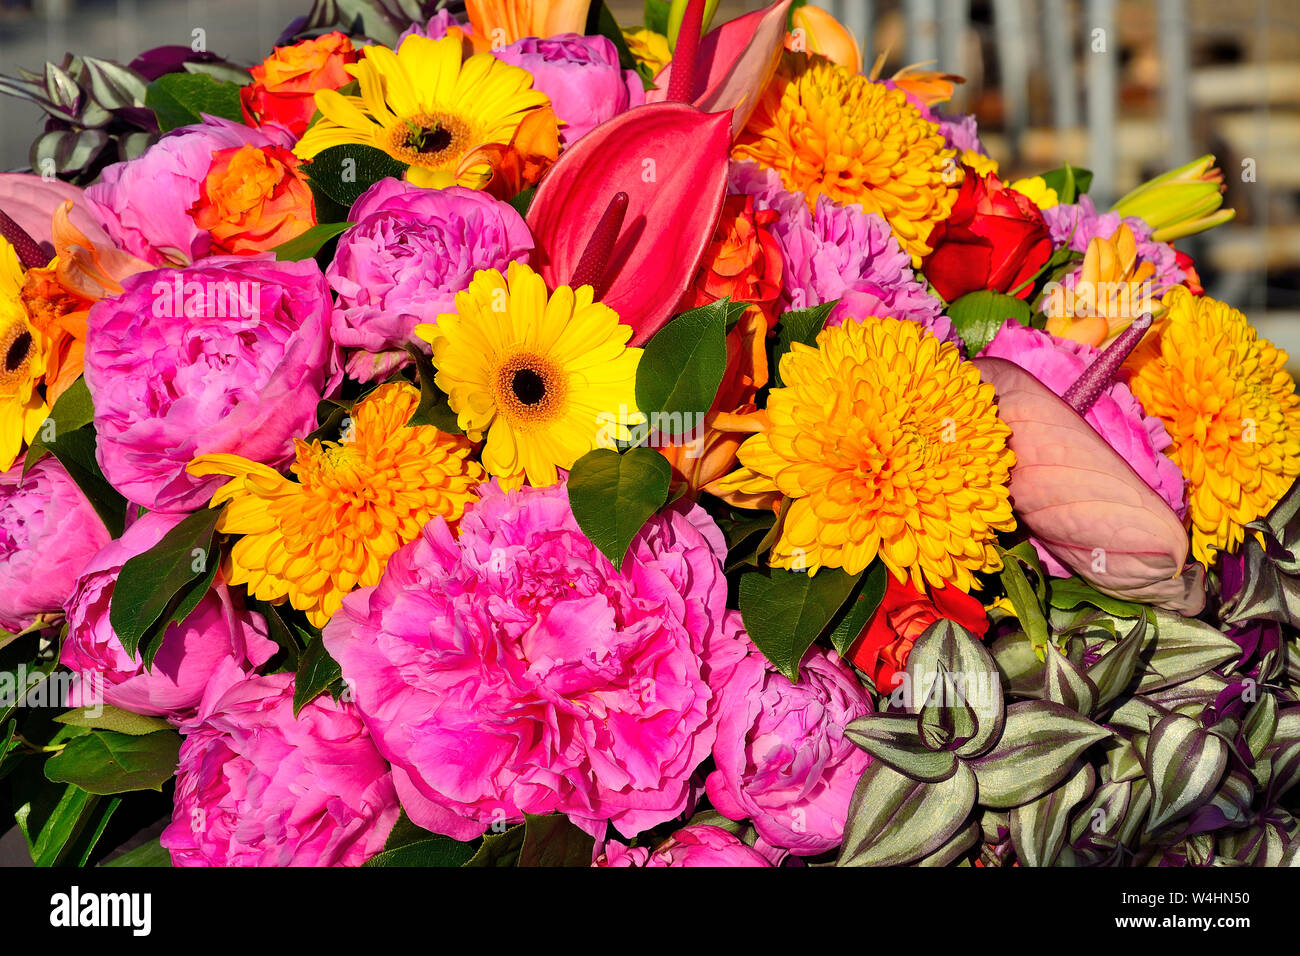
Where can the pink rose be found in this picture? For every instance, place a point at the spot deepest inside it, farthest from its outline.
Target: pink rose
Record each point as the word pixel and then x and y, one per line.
pixel 144 203
pixel 48 531
pixel 230 355
pixel 260 787
pixel 783 760
pixel 699 845
pixel 219 632
pixel 581 76
pixel 510 669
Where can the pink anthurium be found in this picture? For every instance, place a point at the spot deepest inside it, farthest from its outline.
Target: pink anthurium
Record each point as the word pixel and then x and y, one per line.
pixel 30 202
pixel 1084 502
pixel 731 66
pixel 670 160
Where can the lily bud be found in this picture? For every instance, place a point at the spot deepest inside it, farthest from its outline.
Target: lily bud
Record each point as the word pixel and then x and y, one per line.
pixel 1181 202
pixel 816 31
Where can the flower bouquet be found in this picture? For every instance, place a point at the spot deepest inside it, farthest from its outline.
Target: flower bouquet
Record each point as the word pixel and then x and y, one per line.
pixel 505 438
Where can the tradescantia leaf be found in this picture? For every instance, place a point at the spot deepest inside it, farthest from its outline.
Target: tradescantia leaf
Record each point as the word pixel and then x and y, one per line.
pixel 1181 648
pixel 1184 765
pixel 1114 671
pixel 1019 667
pixel 1038 827
pixel 946 719
pixel 893 819
pixel 784 611
pixel 955 848
pixel 1066 684
pixel 1039 745
pixel 1284 770
pixel 894 740
pixel 973 684
pixel 1282 526
pixel 613 495
pixel 1267 592
pixel 1260 725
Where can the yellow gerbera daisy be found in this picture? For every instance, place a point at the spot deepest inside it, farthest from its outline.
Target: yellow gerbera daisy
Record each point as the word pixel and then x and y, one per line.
pixel 541 377
pixel 356 502
pixel 22 408
pixel 1230 407
pixel 889 446
pixel 425 107
pixel 828 130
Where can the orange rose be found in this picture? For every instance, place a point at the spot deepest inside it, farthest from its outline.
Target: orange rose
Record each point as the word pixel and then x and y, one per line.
pixel 743 260
pixel 285 83
pixel 252 200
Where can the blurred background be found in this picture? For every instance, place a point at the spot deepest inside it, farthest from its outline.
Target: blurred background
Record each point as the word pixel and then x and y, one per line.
pixel 1125 88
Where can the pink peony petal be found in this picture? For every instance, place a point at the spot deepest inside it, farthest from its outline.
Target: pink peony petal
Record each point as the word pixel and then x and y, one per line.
pixel 671 160
pixel 1086 504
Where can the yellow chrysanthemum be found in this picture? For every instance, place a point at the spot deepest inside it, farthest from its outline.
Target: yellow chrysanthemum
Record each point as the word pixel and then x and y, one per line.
pixel 649 47
pixel 1036 188
pixel 827 130
pixel 22 408
pixel 425 107
pixel 889 446
pixel 356 502
pixel 1230 407
pixel 545 379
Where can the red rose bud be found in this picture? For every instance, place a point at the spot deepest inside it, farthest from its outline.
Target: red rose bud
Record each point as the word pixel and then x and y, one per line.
pixel 995 239
pixel 882 649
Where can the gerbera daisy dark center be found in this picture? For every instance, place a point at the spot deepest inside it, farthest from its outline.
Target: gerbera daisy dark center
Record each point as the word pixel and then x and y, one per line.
pixel 528 386
pixel 531 389
pixel 432 140
pixel 18 351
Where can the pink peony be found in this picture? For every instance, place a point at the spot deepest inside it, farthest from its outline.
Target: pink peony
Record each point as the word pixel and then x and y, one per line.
pixel 699 845
pixel 219 631
pixel 409 253
pixel 260 787
pixel 512 670
pixel 230 355
pixel 48 531
pixel 144 203
pixel 1138 438
pixel 839 253
pixel 783 760
pixel 580 75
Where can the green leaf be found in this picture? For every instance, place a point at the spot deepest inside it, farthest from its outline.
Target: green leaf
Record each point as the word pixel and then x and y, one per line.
pixel 1068 593
pixel 149 854
pixel 682 367
pixel 113 718
pixel 894 739
pixel 316 672
pixel 306 245
pixel 1038 827
pixel 344 172
pixel 656 16
pixel 164 584
pixel 434 408
pixel 947 663
pixel 784 611
pixel 977 316
pixel 1024 599
pixel 957 845
pixel 438 850
pixel 553 841
pixel 75 451
pixel 499 849
pixel 613 495
pixel 522 201
pixel 1070 182
pixel 73 410
pixel 180 99
pixel 894 820
pixel 1184 765
pixel 802 325
pixel 105 762
pixel 860 608
pixel 1038 748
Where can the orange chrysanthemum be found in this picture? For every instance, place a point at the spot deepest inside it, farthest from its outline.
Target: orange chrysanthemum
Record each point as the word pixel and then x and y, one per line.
pixel 889 446
pixel 827 130
pixel 1230 407
pixel 356 502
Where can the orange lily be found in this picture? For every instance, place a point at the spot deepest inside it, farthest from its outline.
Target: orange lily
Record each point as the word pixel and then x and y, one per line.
pixel 816 31
pixel 499 22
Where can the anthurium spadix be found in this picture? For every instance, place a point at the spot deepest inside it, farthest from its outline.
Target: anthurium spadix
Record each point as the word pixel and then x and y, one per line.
pixel 730 67
pixel 670 160
pixel 1082 500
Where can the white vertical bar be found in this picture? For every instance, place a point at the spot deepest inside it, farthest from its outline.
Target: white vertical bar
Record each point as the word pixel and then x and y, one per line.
pixel 1103 85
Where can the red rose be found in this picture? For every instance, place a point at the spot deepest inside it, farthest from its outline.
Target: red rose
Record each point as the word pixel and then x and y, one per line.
pixel 994 239
pixel 1191 279
pixel 285 83
pixel 882 648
